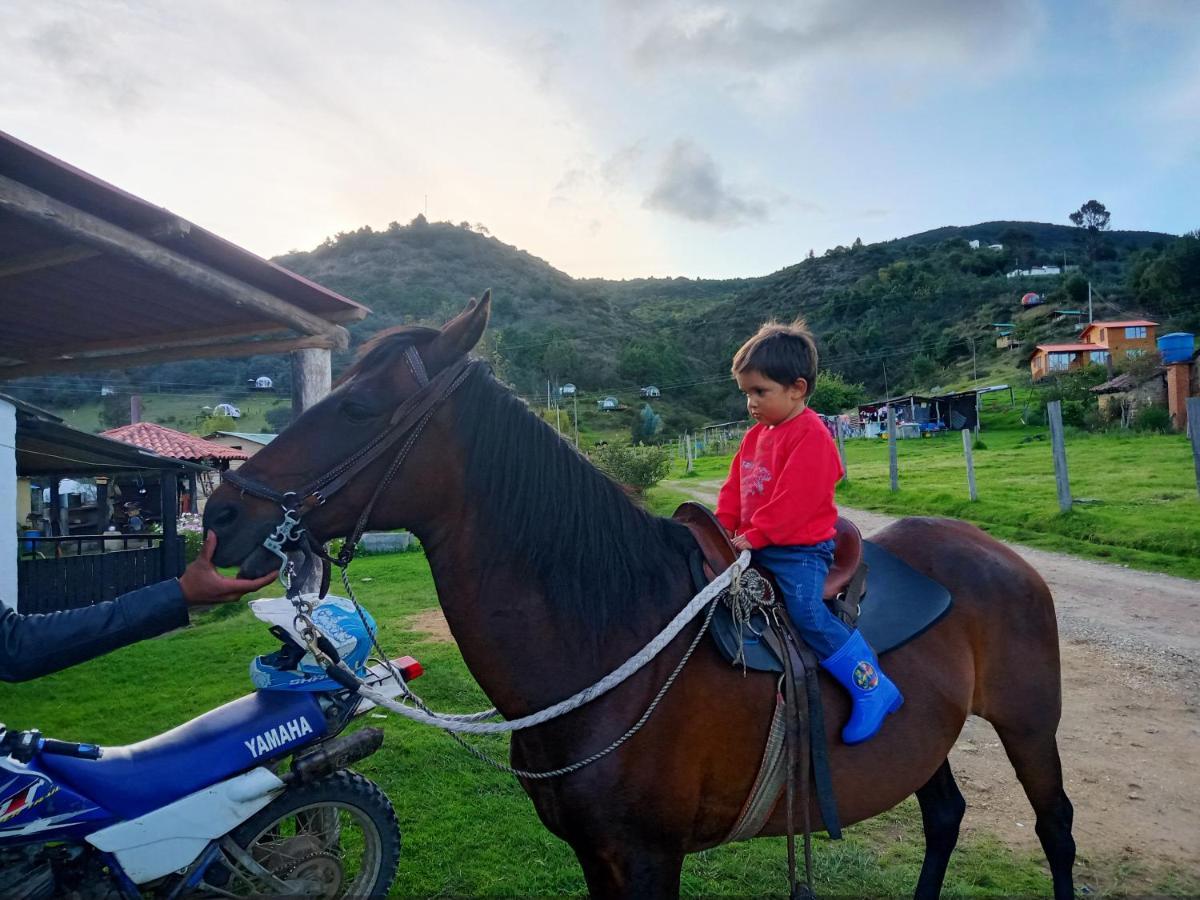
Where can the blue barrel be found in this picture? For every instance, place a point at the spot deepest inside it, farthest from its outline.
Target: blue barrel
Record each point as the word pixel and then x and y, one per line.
pixel 29 545
pixel 1177 347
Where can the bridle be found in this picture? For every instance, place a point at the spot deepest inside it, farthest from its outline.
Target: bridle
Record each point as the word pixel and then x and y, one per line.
pixel 404 428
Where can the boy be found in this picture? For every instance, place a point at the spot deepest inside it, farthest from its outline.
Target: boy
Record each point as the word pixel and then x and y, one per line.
pixel 778 503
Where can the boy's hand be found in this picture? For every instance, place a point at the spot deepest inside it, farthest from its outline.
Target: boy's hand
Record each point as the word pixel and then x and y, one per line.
pixel 741 542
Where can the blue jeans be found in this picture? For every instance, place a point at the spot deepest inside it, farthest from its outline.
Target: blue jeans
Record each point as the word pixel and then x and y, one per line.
pixel 800 571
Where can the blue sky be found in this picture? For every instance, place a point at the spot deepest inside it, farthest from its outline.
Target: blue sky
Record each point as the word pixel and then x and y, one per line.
pixel 625 138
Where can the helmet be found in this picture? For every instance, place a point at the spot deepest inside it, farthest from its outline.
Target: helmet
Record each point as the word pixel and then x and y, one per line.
pixel 337 618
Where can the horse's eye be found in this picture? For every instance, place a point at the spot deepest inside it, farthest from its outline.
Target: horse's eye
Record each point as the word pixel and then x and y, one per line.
pixel 357 412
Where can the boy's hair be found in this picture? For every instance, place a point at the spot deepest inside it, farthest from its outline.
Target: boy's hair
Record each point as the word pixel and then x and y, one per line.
pixel 781 352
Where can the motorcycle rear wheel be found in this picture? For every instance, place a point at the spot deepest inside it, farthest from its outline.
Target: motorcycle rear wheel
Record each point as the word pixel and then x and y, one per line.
pixel 330 838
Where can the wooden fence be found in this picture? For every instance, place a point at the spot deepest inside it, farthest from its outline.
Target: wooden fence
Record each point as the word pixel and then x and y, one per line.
pixel 61 581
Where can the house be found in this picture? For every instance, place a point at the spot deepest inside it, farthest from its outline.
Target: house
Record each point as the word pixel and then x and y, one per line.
pixel 247 442
pixel 650 391
pixel 1125 394
pixel 262 383
pixel 974 245
pixel 1035 272
pixel 995 246
pixel 227 409
pixel 607 403
pixel 567 390
pixel 1051 359
pixel 1130 338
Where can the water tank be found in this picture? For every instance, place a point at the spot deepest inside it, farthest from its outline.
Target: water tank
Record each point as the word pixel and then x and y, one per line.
pixel 1031 299
pixel 1177 347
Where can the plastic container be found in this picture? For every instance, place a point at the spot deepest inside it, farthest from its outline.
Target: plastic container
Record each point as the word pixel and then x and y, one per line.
pixel 29 545
pixel 1177 347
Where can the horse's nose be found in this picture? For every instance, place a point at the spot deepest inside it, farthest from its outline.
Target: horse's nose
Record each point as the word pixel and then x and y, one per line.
pixel 219 516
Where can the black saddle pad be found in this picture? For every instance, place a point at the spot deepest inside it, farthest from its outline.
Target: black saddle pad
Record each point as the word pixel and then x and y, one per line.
pixel 899 604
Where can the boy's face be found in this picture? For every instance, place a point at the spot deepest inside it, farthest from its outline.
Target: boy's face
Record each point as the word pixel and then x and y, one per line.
pixel 769 401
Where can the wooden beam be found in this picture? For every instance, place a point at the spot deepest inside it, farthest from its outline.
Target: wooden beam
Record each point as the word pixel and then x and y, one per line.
pixel 197 337
pixel 77 225
pixel 218 350
pixel 61 256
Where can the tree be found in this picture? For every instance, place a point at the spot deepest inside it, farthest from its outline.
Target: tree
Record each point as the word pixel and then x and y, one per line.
pixel 279 417
pixel 637 468
pixel 114 410
pixel 834 394
pixel 647 424
pixel 1092 218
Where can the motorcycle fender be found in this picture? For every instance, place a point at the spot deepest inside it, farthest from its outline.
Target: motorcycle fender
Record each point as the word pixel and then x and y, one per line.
pixel 170 838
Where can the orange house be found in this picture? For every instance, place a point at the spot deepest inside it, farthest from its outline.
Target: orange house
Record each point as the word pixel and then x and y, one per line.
pixel 1132 338
pixel 1052 359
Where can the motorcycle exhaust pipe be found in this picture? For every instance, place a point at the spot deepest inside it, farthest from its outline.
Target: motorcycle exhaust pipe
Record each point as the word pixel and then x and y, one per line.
pixel 340 753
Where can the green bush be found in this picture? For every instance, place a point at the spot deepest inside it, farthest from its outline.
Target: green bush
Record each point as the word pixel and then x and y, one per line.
pixel 1152 418
pixel 638 468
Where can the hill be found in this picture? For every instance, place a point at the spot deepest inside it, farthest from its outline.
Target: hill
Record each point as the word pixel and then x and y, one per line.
pixel 910 313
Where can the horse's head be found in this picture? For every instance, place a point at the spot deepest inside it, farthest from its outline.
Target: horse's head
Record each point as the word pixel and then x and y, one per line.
pixel 369 406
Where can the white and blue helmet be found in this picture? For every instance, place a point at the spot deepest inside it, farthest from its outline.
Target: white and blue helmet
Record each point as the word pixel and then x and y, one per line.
pixel 337 619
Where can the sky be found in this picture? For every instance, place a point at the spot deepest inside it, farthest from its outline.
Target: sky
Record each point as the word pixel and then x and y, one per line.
pixel 619 139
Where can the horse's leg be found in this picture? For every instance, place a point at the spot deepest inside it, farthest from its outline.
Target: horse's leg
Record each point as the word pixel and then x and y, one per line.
pixel 1035 757
pixel 942 808
pixel 631 872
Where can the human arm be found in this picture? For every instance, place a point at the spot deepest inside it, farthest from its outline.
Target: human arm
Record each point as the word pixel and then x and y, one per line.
pixel 36 645
pixel 729 500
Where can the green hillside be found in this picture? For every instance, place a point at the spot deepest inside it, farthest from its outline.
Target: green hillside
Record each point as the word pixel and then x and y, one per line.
pixel 912 313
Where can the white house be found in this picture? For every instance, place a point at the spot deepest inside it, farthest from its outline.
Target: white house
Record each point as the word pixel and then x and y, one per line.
pixel 650 391
pixel 995 246
pixel 974 245
pixel 227 409
pixel 567 390
pixel 262 383
pixel 607 403
pixel 1035 272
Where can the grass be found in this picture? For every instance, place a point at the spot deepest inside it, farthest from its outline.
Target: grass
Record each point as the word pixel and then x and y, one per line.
pixel 468 829
pixel 1136 501
pixel 183 413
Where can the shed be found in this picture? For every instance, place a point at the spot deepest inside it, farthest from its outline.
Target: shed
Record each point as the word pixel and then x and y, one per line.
pixel 567 390
pixel 72 561
pixel 650 391
pixel 262 383
pixel 93 278
pixel 227 409
pixel 245 441
pixel 607 403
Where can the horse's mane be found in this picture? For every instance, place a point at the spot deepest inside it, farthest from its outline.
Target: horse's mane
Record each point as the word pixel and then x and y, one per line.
pixel 602 560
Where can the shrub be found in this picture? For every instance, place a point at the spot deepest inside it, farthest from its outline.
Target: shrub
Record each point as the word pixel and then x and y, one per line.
pixel 1152 418
pixel 191 529
pixel 638 468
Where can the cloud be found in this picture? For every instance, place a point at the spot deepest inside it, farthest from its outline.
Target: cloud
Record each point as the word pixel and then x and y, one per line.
pixel 690 186
pixel 79 56
pixel 754 36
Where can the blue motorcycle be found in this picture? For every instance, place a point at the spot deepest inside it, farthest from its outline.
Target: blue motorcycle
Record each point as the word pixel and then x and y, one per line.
pixel 214 808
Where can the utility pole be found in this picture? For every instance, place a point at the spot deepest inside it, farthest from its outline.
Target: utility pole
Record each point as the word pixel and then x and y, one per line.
pixel 547 395
pixel 886 393
pixel 575 402
pixel 558 408
pixel 974 369
pixel 1089 301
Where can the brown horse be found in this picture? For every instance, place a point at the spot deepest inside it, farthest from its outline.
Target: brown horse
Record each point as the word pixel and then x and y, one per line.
pixel 536 555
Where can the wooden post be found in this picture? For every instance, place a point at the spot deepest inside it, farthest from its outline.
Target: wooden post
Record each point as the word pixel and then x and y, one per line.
pixel 1193 426
pixel 172 559
pixel 966 434
pixel 842 450
pixel 1054 413
pixel 312 375
pixel 893 465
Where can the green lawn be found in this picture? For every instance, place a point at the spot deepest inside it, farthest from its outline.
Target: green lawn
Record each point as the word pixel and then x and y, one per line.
pixel 469 830
pixel 1136 498
pixel 182 412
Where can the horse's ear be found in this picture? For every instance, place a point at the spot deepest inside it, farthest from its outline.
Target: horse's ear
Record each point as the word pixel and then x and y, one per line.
pixel 460 334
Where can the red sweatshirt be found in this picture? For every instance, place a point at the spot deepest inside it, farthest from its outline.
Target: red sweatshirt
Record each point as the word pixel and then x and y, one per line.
pixel 781 483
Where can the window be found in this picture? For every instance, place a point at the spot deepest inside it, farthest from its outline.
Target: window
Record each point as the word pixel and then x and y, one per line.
pixel 1133 332
pixel 1103 335
pixel 1134 354
pixel 1058 362
pixel 1100 357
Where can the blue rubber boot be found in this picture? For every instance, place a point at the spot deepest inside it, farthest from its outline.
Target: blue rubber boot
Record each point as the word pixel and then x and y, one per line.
pixel 874 695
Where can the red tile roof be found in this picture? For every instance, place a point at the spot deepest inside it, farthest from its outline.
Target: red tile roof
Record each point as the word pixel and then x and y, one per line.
pixel 168 442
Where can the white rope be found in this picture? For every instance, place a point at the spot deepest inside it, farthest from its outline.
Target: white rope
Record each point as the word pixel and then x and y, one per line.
pixel 464 723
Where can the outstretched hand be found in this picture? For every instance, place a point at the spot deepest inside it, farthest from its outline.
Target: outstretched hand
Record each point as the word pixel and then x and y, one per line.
pixel 201 582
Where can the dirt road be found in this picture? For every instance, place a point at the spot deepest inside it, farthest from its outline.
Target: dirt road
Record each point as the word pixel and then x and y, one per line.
pixel 1130 733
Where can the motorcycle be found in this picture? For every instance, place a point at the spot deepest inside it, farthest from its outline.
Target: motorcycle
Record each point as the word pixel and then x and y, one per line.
pixel 213 808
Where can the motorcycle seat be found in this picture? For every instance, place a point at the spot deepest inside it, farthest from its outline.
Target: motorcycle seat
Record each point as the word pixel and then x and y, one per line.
pixel 251 731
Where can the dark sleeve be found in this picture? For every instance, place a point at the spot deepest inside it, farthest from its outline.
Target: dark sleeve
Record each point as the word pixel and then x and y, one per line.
pixel 32 646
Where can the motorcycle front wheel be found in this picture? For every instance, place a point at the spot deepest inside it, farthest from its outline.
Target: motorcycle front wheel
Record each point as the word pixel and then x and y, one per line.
pixel 330 838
